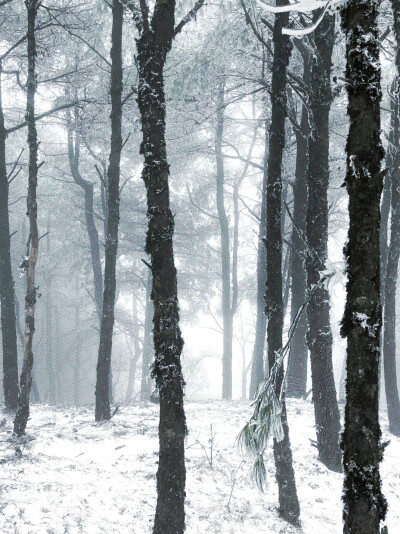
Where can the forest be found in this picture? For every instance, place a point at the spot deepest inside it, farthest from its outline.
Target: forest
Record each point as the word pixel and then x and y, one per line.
pixel 199 261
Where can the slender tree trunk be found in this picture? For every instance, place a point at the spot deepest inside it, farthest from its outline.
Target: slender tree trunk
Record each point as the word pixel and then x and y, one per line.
pixel 257 366
pixel 113 197
pixel 364 504
pixel 148 351
pixel 87 187
pixel 153 45
pixel 298 355
pixel 8 325
pixel 22 414
pixel 288 502
pixel 389 334
pixel 49 325
pixel 77 363
pixel 227 316
pixel 327 417
pixel 136 354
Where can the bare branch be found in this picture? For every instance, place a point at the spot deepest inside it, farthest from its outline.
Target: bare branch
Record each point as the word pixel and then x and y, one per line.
pixel 191 15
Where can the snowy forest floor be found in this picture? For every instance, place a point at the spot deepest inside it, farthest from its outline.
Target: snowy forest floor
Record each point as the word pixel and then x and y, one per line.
pixel 76 476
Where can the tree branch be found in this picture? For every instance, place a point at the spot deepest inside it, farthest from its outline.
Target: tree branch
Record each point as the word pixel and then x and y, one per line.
pixel 191 15
pixel 45 114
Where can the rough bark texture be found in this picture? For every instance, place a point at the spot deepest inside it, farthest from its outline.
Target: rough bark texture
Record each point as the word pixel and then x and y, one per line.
pixel 327 418
pixel 148 351
pixel 22 414
pixel 8 324
pixel 153 45
pixel 364 504
pixel 257 366
pixel 298 355
pixel 288 502
pixel 103 411
pixel 227 315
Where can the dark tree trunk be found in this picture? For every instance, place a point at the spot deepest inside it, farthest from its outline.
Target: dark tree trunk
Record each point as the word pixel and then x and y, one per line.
pixel 327 418
pixel 22 414
pixel 288 502
pixel 8 325
pixel 257 367
pixel 389 334
pixel 364 504
pixel 113 196
pixel 298 355
pixel 227 315
pixel 148 351
pixel 153 45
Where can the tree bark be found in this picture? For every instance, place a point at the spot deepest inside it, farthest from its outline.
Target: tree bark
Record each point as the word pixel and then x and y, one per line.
pixel 22 414
pixel 364 504
pixel 103 411
pixel 148 350
pixel 298 355
pixel 288 502
pixel 153 45
pixel 257 367
pixel 8 323
pixel 327 417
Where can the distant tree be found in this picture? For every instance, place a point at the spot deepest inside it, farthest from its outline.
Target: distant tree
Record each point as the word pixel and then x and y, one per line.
pixel 393 251
pixel 8 323
pixel 364 504
pixel 113 200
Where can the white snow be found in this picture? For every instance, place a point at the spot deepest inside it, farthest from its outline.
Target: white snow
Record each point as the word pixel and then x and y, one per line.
pixel 75 476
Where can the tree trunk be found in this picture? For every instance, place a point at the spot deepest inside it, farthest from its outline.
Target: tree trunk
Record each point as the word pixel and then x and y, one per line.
pixel 77 363
pixel 148 351
pixel 8 325
pixel 136 355
pixel 87 186
pixel 113 198
pixel 227 316
pixel 22 414
pixel 364 504
pixel 153 45
pixel 288 502
pixel 49 326
pixel 327 417
pixel 389 334
pixel 257 366
pixel 298 355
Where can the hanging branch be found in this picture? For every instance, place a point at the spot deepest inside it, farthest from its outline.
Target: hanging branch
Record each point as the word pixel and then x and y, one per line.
pixel 266 420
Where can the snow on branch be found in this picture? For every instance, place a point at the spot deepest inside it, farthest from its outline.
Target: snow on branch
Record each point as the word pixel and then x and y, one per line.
pixel 301 6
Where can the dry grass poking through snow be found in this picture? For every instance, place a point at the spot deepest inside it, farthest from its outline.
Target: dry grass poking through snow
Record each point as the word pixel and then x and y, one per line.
pixel 75 476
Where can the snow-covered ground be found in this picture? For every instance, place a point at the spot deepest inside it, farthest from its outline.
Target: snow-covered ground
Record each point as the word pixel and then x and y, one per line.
pixel 75 476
